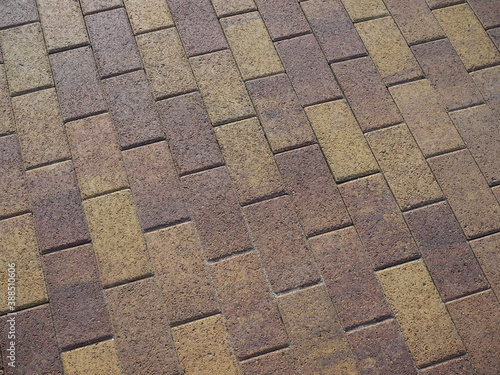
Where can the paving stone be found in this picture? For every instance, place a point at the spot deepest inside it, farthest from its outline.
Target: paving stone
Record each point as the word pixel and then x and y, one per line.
pixel 198 26
pixel 404 167
pixel 117 238
pixel 378 221
pixel 489 85
pixel 251 45
pixel 488 12
pixel 76 299
pixel 215 210
pixel 308 70
pixel 93 359
pixel 155 185
pixel 7 124
pixel 442 66
pixel 486 250
pixel 62 23
pixel 332 26
pixel 132 108
pixel 428 121
pixel 278 362
pixel 203 347
pixel 249 160
pixel 96 156
pixel 422 316
pixel 19 246
pixel 143 340
pixel 40 128
pixel 16 12
pixel 477 318
pixel 433 4
pixel 252 317
pixel 467 192
pixel 25 58
pixel 282 247
pixel 448 257
pixel 57 207
pixel 165 63
pixel 315 335
pixel 313 190
pixel 455 366
pixel 496 192
pixel 280 112
pixel 148 16
pixel 181 274
pixel 80 94
pixel 495 36
pixel 360 10
pixel 341 140
pixel 367 95
pixel 283 18
pixel 381 349
pixel 190 136
pixel 228 7
pixel 221 87
pixel 93 6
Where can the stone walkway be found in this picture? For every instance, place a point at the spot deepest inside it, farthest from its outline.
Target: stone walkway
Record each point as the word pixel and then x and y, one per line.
pixel 250 187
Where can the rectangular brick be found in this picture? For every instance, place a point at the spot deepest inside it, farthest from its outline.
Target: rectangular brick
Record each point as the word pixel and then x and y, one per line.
pixel 404 167
pixel 251 45
pixel 477 318
pixel 455 366
pixel 221 87
pixel 283 18
pixel 203 347
pixel 40 128
pixel 367 95
pixel 190 136
pixel 316 336
pixel 313 190
pixel 467 35
pixel 488 12
pixel 62 23
pixel 132 108
pixel 422 316
pixel 360 10
pixel 278 237
pixel 77 303
pixel 7 124
pixel 19 246
pixel 308 70
pixel 489 85
pixel 228 7
pixel 428 121
pixel 252 317
pixel 486 251
pixel 181 273
pixel 15 12
pixel 341 140
pixel 57 207
pixel 468 194
pixel 96 156
pixel 98 358
pixel 155 185
pixel 198 26
pixel 25 58
pixel 278 362
pixel 215 210
pixel 148 16
pixel 280 112
pixel 79 91
pixel 448 257
pixel 378 221
pixel 93 6
pixel 117 238
pixel 249 160
pixel 495 36
pixel 143 341
pixel 442 66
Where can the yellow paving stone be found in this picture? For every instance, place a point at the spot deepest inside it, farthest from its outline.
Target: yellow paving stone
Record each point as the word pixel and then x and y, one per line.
pixel 364 9
pixel 7 124
pixel 227 7
pixel 148 15
pixel 95 359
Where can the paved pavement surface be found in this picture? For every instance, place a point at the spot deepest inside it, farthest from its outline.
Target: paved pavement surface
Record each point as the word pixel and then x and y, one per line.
pixel 250 187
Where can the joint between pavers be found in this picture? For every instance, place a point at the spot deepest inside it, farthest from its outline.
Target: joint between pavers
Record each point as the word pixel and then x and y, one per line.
pixel 229 256
pixel 66 247
pixel 97 113
pixel 296 35
pixel 329 230
pixel 264 198
pixel 194 318
pixel 14 215
pixel 168 225
pixel 127 281
pixel 68 48
pixel 201 170
pixel 373 322
pixel 423 204
pixel 301 287
pixel 263 352
pixel 47 164
pixel 140 144
pixel 29 91
pixel 398 263
pixel 86 343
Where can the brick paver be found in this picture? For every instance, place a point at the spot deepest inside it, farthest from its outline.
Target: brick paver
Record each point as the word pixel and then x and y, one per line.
pixel 7 124
pixel 97 358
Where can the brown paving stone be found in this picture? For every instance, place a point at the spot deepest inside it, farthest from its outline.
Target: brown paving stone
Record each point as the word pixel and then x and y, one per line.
pixel 477 318
pixel 15 12
pixel 455 366
pixel 308 70
pixel 278 238
pixel 181 274
pixel 313 190
pixel 422 316
pixel 228 7
pixel 381 349
pixel 488 12
pixel 253 321
pixel 279 362
pixel 57 207
pixel 7 124
pixel 92 6
pixel 316 337
pixel 283 18
pixel 467 192
pixel 215 210
pixel 132 108
pixel 148 16
pixel 349 277
pixel 377 219
pixel 487 251
pixel 365 9
pixel 143 340
pixel 155 185
pixel 76 299
pixel 96 156
pixel 495 36
pixel 367 95
pixel 93 359
pixel 189 133
pixel 488 83
pixel 75 74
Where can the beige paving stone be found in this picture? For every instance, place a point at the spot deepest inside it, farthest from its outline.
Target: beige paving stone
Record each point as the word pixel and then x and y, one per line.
pixel 227 7
pixel 148 15
pixel 95 359
pixel 364 9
